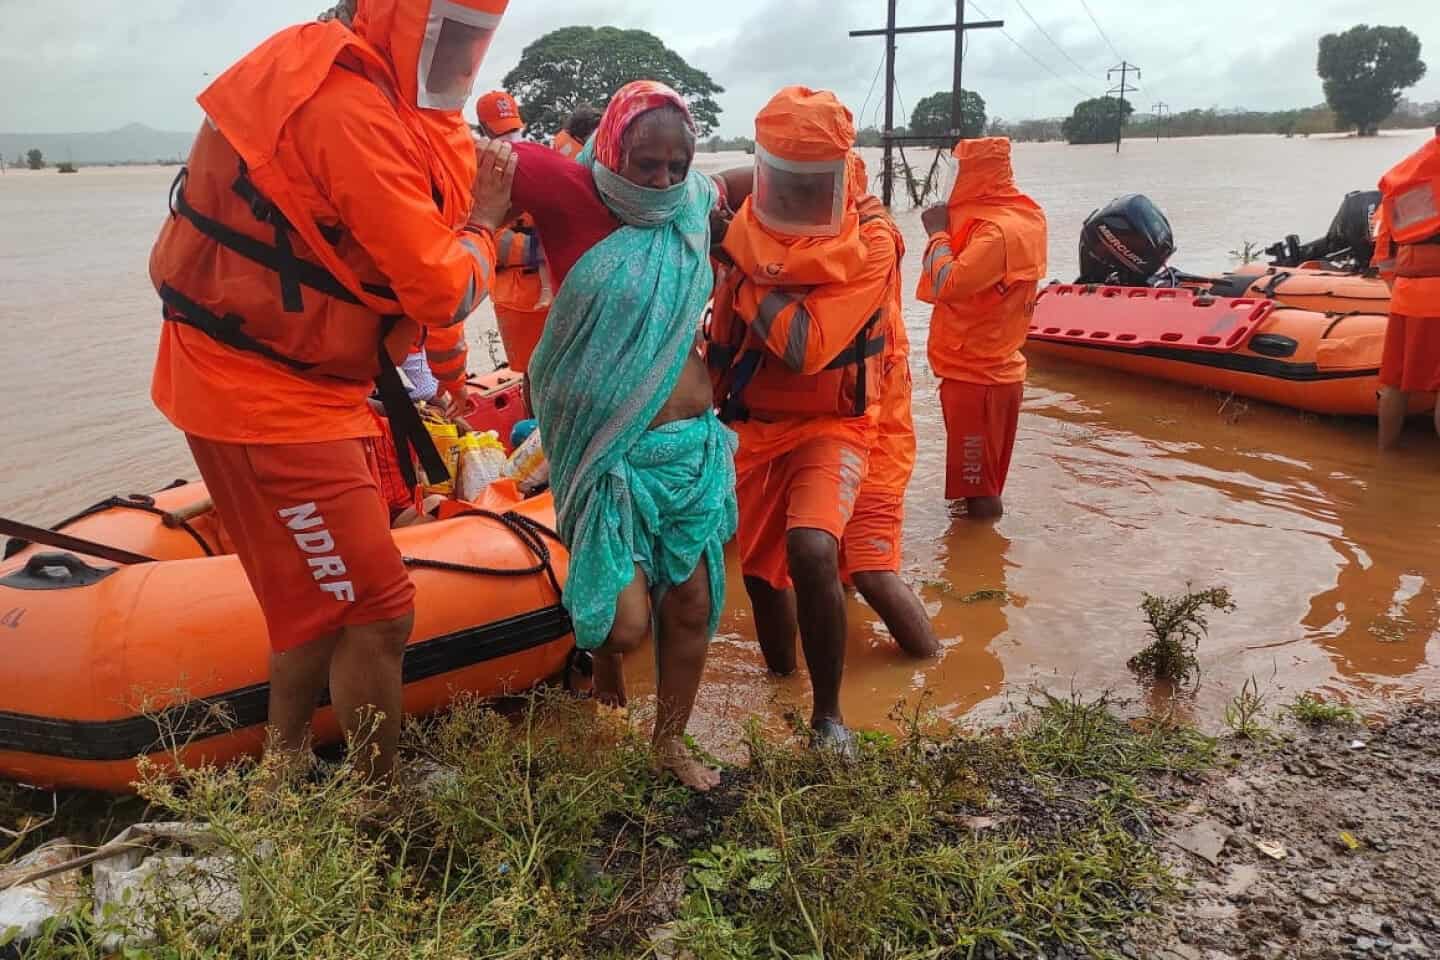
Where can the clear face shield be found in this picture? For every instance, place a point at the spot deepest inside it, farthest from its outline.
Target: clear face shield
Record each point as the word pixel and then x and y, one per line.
pixel 456 38
pixel 799 198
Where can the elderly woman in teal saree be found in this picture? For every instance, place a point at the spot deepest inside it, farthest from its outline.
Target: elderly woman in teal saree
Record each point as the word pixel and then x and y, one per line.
pixel 642 470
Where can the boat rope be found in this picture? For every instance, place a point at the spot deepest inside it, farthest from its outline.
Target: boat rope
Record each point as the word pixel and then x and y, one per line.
pixel 132 501
pixel 528 531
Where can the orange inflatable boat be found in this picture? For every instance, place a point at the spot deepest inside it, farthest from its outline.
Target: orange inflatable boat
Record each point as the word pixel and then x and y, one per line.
pixel 106 663
pixel 1250 346
pixel 1309 287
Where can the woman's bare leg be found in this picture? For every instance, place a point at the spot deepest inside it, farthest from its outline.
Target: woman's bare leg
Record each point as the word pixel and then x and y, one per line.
pixel 684 641
pixel 627 634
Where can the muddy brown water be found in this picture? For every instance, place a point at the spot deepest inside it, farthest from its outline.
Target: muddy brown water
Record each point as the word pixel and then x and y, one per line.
pixel 1120 485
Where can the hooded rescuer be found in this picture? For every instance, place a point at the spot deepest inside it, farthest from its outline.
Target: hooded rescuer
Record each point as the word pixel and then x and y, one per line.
pixel 805 313
pixel 334 213
pixel 982 270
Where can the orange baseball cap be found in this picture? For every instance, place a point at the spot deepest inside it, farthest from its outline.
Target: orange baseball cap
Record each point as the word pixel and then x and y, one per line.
pixel 498 112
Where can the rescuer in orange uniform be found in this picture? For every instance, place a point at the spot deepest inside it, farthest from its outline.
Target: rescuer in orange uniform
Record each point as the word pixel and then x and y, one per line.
pixel 870 550
pixel 577 131
pixel 523 288
pixel 983 266
pixel 1407 252
pixel 803 317
pixel 334 211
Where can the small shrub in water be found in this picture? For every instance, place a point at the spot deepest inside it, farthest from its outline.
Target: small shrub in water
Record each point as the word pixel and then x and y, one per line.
pixel 1177 624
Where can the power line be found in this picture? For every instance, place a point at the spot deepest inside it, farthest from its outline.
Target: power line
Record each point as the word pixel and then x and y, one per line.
pixel 1044 33
pixel 873 80
pixel 1103 35
pixel 1038 62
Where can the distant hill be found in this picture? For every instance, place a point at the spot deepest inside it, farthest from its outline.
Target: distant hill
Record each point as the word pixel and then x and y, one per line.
pixel 134 143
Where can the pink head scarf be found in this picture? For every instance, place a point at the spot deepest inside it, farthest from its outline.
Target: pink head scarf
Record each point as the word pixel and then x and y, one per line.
pixel 628 104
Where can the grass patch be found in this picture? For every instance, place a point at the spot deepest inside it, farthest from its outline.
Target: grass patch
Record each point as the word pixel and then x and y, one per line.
pixel 546 834
pixel 1313 711
pixel 1177 624
pixel 1245 713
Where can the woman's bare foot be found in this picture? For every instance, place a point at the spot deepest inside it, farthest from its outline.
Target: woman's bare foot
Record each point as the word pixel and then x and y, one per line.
pixel 610 679
pixel 672 756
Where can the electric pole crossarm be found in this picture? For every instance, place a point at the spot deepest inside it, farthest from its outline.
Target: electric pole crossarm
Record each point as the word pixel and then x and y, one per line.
pixel 891 31
pixel 933 28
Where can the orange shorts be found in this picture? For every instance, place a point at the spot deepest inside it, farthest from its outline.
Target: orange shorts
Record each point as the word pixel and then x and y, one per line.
pixel 871 543
pixel 980 425
pixel 312 533
pixel 813 487
pixel 1411 361
pixel 520 332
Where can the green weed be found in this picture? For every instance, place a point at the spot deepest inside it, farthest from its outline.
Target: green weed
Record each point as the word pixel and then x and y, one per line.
pixel 1312 711
pixel 1177 624
pixel 546 835
pixel 1244 714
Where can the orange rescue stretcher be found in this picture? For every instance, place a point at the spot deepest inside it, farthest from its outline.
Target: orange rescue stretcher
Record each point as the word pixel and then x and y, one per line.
pixel 1322 362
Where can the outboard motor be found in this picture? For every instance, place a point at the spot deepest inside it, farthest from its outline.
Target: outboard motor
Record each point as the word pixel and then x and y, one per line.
pixel 1350 229
pixel 1125 243
pixel 1348 243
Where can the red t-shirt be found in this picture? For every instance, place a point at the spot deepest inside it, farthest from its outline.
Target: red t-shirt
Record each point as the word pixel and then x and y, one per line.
pixel 560 195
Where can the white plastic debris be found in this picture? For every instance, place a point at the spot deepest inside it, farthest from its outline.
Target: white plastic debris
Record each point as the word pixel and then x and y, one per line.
pixel 163 868
pixel 27 907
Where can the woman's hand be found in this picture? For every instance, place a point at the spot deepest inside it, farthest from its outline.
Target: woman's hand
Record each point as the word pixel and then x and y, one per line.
pixel 494 176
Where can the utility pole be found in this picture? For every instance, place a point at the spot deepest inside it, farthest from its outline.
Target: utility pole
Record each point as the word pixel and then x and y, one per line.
pixel 1124 69
pixel 890 33
pixel 1160 110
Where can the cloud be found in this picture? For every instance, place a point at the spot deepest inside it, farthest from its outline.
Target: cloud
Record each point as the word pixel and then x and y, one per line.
pixel 96 64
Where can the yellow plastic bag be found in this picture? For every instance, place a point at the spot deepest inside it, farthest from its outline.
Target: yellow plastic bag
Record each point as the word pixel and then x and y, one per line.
pixel 447 441
pixel 528 465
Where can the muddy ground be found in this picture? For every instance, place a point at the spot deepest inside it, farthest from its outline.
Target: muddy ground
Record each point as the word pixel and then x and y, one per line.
pixel 1349 815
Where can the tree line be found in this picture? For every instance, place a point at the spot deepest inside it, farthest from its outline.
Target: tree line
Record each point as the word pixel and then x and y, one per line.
pixel 1363 72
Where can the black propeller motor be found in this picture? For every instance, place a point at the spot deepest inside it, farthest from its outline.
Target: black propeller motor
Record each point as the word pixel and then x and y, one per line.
pixel 1348 243
pixel 1126 243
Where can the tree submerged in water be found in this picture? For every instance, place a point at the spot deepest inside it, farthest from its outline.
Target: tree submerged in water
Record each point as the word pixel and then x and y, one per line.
pixel 1098 120
pixel 932 117
pixel 1364 69
pixel 1177 624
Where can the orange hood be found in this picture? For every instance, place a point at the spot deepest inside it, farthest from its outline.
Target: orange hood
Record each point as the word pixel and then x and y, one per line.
pixel 985 191
pixel 397 29
pixel 805 126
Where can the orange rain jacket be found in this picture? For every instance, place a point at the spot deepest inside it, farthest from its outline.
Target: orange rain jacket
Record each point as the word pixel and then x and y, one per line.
pixel 1407 248
pixel 567 145
pixel 801 325
pixel 318 229
pixel 892 459
pixel 983 277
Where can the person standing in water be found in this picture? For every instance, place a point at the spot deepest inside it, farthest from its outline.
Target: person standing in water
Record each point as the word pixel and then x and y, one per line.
pixel 870 547
pixel 803 319
pixel 982 271
pixel 642 470
pixel 333 207
pixel 1407 253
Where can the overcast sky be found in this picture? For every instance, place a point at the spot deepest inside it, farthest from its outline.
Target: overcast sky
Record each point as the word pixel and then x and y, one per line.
pixel 80 65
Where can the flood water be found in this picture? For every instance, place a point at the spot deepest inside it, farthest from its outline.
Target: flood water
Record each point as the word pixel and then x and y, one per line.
pixel 1120 486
